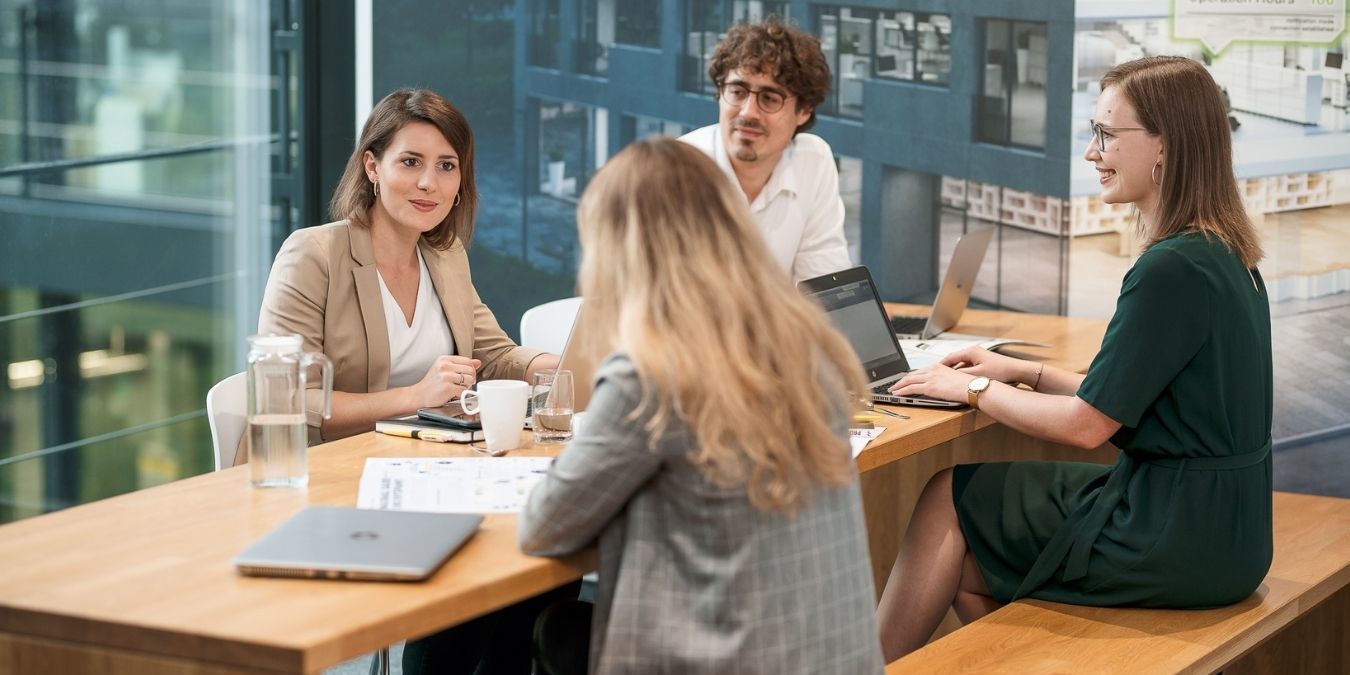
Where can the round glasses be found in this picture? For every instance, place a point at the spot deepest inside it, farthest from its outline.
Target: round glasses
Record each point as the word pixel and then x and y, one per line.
pixel 1100 133
pixel 736 94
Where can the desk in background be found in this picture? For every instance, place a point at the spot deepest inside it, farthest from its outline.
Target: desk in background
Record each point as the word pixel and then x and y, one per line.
pixel 142 583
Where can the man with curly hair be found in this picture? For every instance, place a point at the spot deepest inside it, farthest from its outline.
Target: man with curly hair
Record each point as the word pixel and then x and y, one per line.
pixel 770 77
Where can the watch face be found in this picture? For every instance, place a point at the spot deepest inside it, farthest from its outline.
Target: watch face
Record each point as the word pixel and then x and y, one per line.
pixel 979 384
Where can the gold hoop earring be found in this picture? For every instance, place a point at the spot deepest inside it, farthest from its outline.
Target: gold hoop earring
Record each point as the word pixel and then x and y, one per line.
pixel 1154 173
pixel 457 195
pixel 376 183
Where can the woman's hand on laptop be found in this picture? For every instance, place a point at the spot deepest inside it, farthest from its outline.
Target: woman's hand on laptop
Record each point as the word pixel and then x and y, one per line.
pixel 937 381
pixel 979 361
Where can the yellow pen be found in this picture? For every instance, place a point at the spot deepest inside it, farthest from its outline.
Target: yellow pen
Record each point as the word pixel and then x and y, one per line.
pixel 420 434
pixel 433 436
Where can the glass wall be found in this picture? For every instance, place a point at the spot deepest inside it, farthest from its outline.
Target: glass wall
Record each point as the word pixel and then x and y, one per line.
pixel 706 22
pixel 914 47
pixel 532 163
pixel 861 43
pixel 543 47
pixel 847 38
pixel 134 205
pixel 637 22
pixel 1012 102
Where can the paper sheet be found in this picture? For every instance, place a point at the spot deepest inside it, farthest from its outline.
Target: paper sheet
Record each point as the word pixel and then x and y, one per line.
pixel 450 484
pixel 859 438
pixel 921 353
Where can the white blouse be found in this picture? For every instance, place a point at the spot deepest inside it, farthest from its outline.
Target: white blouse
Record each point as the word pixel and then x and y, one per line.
pixel 412 349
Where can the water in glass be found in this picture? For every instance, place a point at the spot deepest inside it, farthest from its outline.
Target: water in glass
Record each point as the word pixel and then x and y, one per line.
pixel 551 401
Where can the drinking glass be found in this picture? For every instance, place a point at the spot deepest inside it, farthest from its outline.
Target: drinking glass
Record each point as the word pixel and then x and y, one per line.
pixel 551 398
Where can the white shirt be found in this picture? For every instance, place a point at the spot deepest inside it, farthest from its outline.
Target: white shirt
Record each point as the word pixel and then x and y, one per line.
pixel 412 349
pixel 799 210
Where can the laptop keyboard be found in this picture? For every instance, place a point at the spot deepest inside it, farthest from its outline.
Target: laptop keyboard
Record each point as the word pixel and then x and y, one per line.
pixel 909 325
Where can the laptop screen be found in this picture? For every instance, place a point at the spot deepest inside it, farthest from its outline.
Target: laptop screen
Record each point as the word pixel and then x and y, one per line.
pixel 851 301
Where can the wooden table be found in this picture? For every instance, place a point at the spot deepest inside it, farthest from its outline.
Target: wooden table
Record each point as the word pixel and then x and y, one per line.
pixel 142 583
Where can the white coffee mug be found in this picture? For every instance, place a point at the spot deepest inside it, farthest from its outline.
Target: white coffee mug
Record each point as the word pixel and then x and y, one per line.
pixel 500 405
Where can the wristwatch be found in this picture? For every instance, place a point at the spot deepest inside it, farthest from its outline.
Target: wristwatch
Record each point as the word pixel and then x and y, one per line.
pixel 974 389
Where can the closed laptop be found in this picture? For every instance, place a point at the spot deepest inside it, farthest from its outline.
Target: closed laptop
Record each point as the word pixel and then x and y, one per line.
pixel 329 542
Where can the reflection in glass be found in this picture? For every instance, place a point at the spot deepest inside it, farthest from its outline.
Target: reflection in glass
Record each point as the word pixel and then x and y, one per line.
pixel 543 44
pixel 706 23
pixel 915 47
pixel 1012 103
pixel 136 222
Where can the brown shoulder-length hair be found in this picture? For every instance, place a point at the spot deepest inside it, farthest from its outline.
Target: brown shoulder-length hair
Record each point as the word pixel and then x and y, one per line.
pixel 774 48
pixel 1177 99
pixel 355 194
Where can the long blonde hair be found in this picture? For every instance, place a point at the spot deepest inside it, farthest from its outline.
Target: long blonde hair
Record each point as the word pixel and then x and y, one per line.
pixel 1177 98
pixel 675 275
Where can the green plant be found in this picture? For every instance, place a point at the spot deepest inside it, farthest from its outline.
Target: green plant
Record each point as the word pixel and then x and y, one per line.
pixel 556 153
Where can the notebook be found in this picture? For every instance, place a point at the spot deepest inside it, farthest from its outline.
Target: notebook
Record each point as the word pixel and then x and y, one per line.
pixel 851 301
pixel 327 542
pixel 415 426
pixel 954 294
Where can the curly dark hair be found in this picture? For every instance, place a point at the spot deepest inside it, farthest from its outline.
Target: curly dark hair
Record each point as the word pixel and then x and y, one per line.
pixel 788 54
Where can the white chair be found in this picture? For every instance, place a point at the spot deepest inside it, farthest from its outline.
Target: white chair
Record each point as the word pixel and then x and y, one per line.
pixel 226 409
pixel 547 326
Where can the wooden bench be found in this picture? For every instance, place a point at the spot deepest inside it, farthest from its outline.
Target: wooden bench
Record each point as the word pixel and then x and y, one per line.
pixel 1298 621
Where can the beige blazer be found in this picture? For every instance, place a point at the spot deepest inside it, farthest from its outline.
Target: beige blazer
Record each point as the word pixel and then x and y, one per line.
pixel 324 285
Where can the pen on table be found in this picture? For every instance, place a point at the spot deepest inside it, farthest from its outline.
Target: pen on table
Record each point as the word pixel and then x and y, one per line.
pixel 420 434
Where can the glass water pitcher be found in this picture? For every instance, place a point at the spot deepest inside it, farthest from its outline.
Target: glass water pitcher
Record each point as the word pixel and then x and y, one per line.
pixel 277 439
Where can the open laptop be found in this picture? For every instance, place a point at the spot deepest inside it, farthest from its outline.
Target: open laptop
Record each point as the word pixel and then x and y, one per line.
pixel 582 366
pixel 324 542
pixel 955 291
pixel 851 301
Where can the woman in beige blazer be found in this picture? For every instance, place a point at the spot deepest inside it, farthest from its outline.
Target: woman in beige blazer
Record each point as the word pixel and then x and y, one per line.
pixel 408 188
pixel 406 200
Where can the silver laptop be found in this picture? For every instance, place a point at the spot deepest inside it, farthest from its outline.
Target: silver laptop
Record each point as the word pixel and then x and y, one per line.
pixel 325 542
pixel 582 367
pixel 952 297
pixel 851 301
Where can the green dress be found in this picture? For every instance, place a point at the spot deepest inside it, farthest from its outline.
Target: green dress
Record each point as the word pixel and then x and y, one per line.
pixel 1183 517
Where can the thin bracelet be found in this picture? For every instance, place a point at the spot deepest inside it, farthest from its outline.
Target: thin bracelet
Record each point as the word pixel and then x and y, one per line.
pixel 1039 372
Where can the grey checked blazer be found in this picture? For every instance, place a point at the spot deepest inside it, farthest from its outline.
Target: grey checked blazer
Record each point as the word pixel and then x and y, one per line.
pixel 693 578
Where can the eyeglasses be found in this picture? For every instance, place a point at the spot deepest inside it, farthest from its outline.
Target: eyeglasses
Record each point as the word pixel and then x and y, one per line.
pixel 1100 133
pixel 735 94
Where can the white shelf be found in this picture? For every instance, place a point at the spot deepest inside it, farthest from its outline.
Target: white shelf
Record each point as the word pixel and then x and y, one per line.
pixel 1293 192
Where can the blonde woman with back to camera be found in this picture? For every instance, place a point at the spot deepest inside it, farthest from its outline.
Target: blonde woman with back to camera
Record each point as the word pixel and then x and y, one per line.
pixel 1182 385
pixel 713 469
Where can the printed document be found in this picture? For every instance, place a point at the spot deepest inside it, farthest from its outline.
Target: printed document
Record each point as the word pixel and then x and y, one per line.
pixel 450 484
pixel 859 438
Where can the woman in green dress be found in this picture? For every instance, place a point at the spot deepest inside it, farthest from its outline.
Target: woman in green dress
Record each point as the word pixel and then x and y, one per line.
pixel 1182 385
